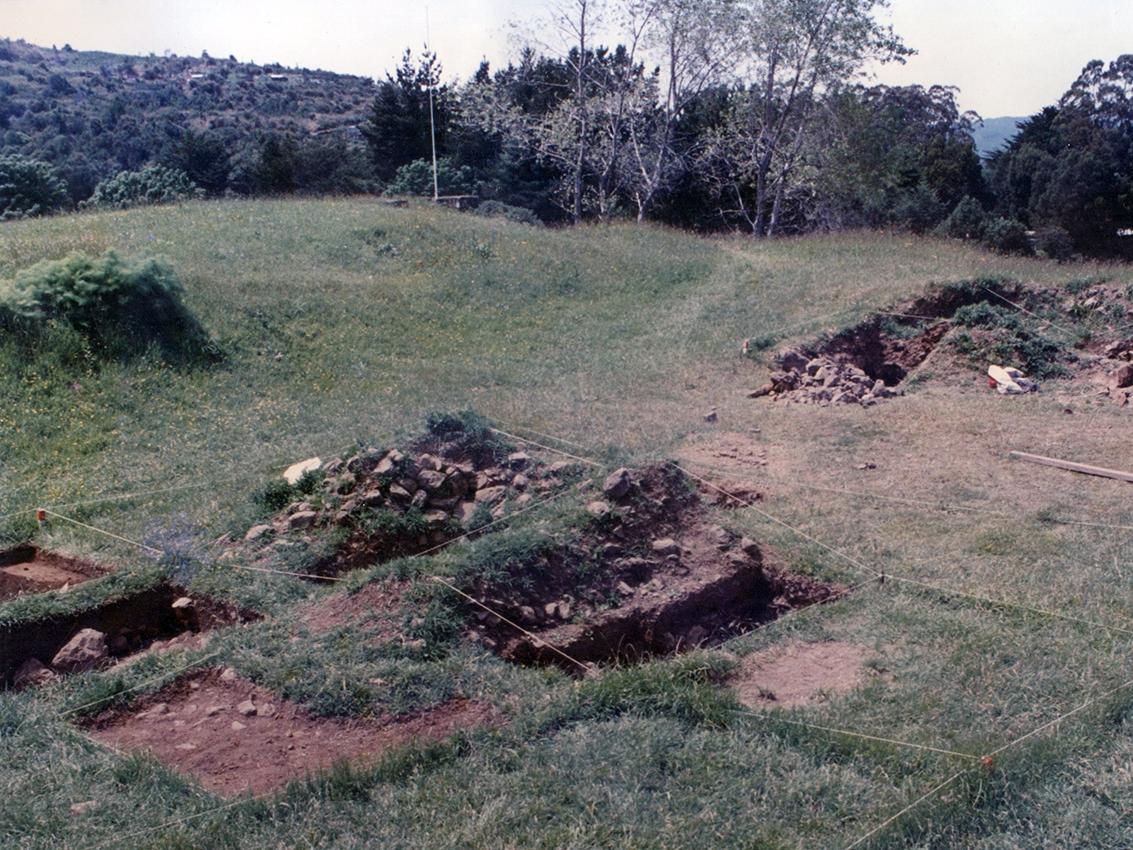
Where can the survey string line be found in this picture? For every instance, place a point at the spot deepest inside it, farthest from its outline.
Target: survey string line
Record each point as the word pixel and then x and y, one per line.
pixel 892 819
pixel 587 669
pixel 849 733
pixel 935 505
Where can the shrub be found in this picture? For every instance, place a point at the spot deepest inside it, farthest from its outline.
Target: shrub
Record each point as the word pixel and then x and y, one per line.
pixel 966 221
pixel 498 209
pixel 120 307
pixel 918 209
pixel 28 187
pixel 1007 236
pixel 1054 243
pixel 154 184
pixel 416 178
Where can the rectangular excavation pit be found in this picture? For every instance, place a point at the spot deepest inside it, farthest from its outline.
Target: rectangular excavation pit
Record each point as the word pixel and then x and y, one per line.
pixel 29 569
pixel 650 575
pixel 235 737
pixel 129 624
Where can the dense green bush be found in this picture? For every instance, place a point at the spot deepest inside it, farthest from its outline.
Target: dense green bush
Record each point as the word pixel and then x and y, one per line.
pixel 1054 243
pixel 1007 236
pixel 120 307
pixel 416 178
pixel 918 209
pixel 154 184
pixel 498 209
pixel 28 187
pixel 966 221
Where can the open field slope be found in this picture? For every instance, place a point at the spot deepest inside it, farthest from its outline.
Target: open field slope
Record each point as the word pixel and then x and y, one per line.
pixel 345 322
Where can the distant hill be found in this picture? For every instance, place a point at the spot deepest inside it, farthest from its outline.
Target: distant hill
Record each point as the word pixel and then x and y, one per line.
pixel 995 133
pixel 92 114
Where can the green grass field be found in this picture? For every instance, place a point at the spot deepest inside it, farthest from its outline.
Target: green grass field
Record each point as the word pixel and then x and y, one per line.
pixel 347 321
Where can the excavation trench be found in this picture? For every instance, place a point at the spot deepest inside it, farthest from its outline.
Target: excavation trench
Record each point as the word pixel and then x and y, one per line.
pixel 29 569
pixel 131 624
pixel 869 361
pixel 652 575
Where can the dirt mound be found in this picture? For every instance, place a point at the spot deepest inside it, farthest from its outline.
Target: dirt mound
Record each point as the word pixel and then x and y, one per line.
pixel 1045 332
pixel 800 674
pixel 650 575
pixel 28 569
pixel 235 737
pixel 399 503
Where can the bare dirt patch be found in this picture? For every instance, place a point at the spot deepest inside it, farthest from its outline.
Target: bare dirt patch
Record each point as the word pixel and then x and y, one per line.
pixel 29 569
pixel 652 575
pixel 800 674
pixel 378 606
pixel 152 619
pixel 236 737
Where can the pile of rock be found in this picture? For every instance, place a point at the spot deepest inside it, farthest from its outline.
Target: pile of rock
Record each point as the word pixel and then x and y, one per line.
pixel 451 493
pixel 823 381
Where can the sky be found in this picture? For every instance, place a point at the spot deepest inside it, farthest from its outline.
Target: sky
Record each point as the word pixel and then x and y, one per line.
pixel 1008 57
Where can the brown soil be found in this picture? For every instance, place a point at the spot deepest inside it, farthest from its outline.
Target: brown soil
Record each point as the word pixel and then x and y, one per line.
pixel 133 624
pixel 377 605
pixel 616 596
pixel 800 674
pixel 194 726
pixel 28 569
pixel 729 460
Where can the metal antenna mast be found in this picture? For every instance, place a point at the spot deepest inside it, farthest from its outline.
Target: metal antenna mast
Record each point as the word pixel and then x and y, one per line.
pixel 432 118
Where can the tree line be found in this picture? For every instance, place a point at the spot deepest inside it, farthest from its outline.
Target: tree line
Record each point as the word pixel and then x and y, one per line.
pixel 749 115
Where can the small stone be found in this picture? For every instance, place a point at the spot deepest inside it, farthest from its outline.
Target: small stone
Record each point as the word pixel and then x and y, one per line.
pixel 527 614
pixel 229 674
pixel 296 471
pixel 32 672
pixel 399 493
pixel 256 532
pixel 237 726
pixel 551 609
pixel 868 465
pixel 750 548
pixel 561 466
pixel 563 609
pixel 301 519
pixel 159 709
pixel 465 512
pixel 711 415
pixel 520 482
pixel 419 499
pixel 82 652
pixel 617 483
pixel 624 589
pixel 720 536
pixel 247 708
pixel 666 546
pixel 435 519
pixel 696 635
pixel 488 495
pixel 519 460
pixel 598 509
pixel 182 603
pixel 1123 377
pixel 265 710
pixel 760 392
pixel 371 499
pixel 186 746
pixel 431 480
pixel 213 710
pixel 83 808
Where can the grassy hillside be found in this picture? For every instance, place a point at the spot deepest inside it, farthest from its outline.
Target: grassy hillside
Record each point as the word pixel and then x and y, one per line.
pixel 349 320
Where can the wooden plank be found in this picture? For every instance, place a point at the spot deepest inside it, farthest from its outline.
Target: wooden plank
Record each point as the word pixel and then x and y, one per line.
pixel 1084 468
